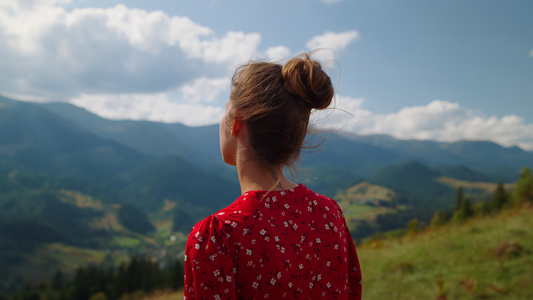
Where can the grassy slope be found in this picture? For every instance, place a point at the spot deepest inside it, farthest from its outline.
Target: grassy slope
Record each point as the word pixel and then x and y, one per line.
pixel 464 259
pixel 360 202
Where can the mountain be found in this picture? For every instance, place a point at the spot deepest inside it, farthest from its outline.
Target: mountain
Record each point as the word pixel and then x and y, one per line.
pixel 145 163
pixel 362 159
pixel 464 173
pixel 416 181
pixel 45 157
pixel 111 154
pixel 501 163
pixel 198 144
pixel 361 155
pixel 40 140
pixel 176 179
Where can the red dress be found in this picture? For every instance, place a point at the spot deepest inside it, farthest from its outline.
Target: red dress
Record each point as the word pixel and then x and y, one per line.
pixel 286 244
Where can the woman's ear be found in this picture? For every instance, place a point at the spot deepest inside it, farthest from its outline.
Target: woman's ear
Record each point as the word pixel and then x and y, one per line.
pixel 237 123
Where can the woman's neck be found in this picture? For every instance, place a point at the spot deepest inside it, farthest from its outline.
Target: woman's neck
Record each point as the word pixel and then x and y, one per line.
pixel 254 176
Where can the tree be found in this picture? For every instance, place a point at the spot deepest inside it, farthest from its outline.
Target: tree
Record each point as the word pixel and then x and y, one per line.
pixel 499 197
pixel 523 191
pixel 438 219
pixel 467 208
pixel 466 211
pixel 176 274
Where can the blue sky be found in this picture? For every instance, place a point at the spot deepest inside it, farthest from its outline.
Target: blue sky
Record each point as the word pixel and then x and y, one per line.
pixel 423 69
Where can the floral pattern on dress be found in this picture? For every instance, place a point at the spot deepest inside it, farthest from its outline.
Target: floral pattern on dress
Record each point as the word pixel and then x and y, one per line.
pixel 280 244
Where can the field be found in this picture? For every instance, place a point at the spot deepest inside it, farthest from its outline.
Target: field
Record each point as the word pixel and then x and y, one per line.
pixel 486 258
pixel 364 201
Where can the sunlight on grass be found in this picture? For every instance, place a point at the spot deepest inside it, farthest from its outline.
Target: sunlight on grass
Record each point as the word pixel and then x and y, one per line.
pixel 124 242
pixel 165 295
pixel 485 186
pixel 486 258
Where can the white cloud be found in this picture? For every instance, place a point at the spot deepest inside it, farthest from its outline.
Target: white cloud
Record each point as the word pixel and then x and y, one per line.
pixel 531 52
pixel 331 1
pixel 278 53
pixel 234 48
pixel 52 53
pixel 439 120
pixel 205 89
pixel 153 107
pixel 192 104
pixel 332 40
pixel 30 4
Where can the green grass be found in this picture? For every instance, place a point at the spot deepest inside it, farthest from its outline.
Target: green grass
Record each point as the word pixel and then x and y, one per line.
pixel 165 295
pixel 125 242
pixel 485 258
pixel 359 210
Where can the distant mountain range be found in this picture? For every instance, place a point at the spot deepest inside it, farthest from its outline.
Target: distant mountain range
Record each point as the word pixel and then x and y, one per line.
pixel 61 139
pixel 153 180
pixel 363 155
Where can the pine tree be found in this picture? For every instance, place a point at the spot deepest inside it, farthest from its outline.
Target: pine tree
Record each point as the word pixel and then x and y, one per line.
pixel 176 275
pixel 499 198
pixel 523 191
pixel 467 208
pixel 464 212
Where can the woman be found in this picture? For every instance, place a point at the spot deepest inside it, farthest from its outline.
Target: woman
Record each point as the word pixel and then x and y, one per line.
pixel 278 239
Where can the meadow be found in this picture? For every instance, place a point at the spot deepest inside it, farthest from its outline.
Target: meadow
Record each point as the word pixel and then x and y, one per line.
pixel 488 257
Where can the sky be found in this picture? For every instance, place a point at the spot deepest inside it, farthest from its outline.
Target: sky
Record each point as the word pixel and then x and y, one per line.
pixel 413 69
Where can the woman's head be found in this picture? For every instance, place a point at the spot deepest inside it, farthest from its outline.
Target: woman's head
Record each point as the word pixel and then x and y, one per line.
pixel 275 104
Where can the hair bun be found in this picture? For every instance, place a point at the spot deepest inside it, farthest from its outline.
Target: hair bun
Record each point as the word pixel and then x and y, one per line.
pixel 305 78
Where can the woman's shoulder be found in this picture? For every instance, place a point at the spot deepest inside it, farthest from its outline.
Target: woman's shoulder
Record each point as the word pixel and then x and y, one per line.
pixel 208 229
pixel 323 200
pixel 211 223
pixel 221 220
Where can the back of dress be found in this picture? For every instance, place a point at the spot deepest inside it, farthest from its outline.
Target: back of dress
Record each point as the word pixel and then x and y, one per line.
pixel 291 243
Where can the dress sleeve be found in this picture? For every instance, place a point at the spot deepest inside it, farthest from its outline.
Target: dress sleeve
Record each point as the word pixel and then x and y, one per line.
pixel 209 267
pixel 355 277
